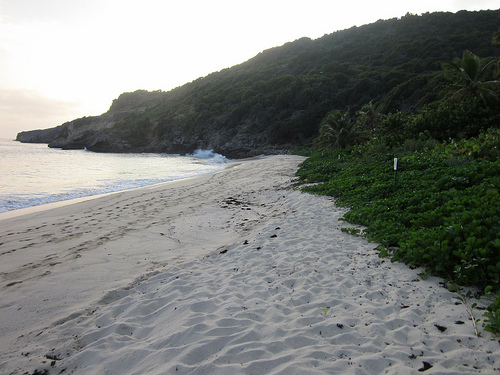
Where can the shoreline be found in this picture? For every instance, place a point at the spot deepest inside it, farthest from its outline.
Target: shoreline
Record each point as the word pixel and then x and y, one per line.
pixel 48 206
pixel 101 174
pixel 227 272
pixel 68 202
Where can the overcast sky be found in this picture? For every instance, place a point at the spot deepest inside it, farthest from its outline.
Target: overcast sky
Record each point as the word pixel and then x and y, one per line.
pixel 64 59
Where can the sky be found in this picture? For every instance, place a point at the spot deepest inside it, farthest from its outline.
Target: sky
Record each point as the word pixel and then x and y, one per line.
pixel 65 59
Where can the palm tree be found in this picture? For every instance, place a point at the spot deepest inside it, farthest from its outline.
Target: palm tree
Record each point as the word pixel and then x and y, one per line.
pixel 339 130
pixel 496 40
pixel 496 37
pixel 370 117
pixel 469 76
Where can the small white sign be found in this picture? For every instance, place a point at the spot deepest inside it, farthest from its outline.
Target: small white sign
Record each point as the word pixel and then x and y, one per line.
pixel 395 164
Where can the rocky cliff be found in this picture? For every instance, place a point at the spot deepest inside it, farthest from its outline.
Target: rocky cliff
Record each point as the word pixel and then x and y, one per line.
pixel 127 127
pixel 131 125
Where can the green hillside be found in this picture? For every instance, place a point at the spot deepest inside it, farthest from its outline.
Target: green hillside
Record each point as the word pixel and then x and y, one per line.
pixel 286 91
pixel 278 99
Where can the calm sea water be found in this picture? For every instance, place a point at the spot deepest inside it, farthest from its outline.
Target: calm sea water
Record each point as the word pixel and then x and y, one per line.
pixel 33 174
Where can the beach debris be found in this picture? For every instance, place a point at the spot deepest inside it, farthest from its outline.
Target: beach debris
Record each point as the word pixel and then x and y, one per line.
pixel 441 328
pixel 426 366
pixel 13 283
pixel 274 236
pixel 53 357
pixel 234 201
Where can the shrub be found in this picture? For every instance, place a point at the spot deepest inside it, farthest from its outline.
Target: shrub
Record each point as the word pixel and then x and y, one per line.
pixel 444 215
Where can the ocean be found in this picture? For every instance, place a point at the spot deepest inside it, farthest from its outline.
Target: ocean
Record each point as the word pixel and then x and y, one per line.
pixel 34 174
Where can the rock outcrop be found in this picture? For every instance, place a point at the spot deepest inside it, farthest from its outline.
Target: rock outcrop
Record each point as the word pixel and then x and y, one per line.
pixel 127 127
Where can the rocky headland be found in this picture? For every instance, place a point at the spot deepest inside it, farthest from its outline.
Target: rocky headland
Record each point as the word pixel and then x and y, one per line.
pixel 127 127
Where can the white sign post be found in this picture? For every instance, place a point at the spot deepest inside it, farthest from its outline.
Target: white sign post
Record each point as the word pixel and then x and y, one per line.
pixel 395 173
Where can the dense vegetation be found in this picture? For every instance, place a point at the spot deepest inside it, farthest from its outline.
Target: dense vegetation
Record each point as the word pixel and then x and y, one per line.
pixel 362 178
pixel 444 213
pixel 283 93
pixel 441 208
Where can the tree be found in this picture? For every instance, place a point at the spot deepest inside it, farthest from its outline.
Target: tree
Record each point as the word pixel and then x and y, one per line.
pixel 370 117
pixel 496 37
pixel 468 76
pixel 339 130
pixel 496 40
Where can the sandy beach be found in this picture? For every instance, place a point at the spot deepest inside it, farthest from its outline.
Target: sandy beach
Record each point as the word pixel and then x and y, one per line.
pixel 232 272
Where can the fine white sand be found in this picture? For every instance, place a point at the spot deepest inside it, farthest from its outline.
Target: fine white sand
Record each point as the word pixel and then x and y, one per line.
pixel 226 273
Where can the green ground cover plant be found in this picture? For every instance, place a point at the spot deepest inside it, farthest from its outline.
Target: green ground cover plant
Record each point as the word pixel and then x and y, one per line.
pixel 444 214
